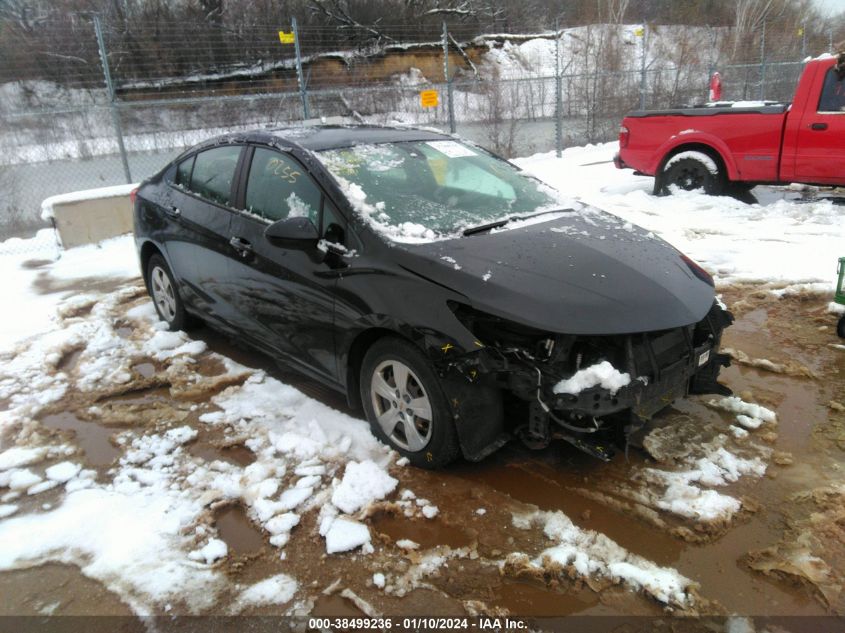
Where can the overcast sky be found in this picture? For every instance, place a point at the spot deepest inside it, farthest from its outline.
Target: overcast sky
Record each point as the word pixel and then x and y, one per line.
pixel 831 6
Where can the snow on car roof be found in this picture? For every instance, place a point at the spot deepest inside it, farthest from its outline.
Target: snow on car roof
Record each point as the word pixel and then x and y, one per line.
pixel 322 137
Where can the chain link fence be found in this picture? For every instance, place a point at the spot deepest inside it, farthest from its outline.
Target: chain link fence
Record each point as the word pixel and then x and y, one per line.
pixel 101 106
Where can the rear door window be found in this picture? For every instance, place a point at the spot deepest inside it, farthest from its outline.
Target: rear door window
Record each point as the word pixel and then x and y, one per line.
pixel 213 172
pixel 183 172
pixel 279 188
pixel 833 93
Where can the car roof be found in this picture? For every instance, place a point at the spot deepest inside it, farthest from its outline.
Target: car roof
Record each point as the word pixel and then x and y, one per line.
pixel 320 137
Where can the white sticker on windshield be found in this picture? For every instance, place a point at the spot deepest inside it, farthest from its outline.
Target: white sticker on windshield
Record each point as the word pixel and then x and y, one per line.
pixel 452 149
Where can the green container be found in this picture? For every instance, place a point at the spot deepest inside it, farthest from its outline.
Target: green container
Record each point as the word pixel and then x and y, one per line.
pixel 839 297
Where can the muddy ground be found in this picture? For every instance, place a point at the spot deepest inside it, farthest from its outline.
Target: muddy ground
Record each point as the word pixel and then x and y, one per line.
pixel 782 554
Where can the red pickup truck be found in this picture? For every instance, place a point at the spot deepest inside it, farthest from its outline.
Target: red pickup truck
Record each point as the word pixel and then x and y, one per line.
pixel 727 149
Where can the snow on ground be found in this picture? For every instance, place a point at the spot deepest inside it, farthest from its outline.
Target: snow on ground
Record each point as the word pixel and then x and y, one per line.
pixel 144 531
pixel 32 308
pixel 590 554
pixel 778 240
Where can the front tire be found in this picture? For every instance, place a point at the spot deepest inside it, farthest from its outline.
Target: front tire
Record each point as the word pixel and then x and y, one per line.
pixel 691 173
pixel 405 404
pixel 165 295
pixel 840 327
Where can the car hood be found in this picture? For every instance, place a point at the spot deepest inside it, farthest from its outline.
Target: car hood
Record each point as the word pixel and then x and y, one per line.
pixel 581 272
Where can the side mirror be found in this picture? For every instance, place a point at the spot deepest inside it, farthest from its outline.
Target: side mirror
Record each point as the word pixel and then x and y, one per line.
pixel 296 231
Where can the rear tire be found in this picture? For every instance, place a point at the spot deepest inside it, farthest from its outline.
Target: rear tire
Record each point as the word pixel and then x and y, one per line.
pixel 691 173
pixel 840 327
pixel 165 294
pixel 405 404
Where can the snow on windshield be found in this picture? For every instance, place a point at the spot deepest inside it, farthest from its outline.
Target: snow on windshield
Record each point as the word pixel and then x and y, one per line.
pixel 425 191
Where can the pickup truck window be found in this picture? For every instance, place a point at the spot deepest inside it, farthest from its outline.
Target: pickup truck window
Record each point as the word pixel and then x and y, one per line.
pixel 833 93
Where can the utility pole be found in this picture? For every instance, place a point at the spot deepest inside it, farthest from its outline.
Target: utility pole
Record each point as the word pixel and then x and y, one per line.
pixel 643 67
pixel 449 91
pixel 303 94
pixel 115 115
pixel 558 94
pixel 763 63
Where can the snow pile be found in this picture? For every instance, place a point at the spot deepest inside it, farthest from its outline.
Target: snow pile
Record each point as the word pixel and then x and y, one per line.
pixel 211 551
pixel 362 484
pixel 602 375
pixel 749 415
pixel 277 589
pixel 709 463
pixel 345 534
pixel 591 555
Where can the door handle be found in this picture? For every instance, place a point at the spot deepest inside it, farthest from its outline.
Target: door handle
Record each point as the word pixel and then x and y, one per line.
pixel 172 211
pixel 241 245
pixel 818 126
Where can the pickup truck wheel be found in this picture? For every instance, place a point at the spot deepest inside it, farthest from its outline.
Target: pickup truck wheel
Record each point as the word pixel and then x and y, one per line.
pixel 840 327
pixel 690 173
pixel 405 404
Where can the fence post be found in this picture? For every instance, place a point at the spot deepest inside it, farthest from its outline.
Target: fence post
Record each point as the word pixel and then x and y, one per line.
pixel 300 78
pixel 643 68
pixel 449 93
pixel 558 94
pixel 763 63
pixel 115 115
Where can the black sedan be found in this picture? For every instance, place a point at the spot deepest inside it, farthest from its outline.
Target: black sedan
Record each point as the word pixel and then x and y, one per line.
pixel 457 300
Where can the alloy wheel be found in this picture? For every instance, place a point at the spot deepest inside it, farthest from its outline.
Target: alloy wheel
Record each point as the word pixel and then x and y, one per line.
pixel 163 294
pixel 401 405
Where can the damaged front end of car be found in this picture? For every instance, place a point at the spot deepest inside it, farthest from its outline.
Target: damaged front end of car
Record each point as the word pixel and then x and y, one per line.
pixel 557 379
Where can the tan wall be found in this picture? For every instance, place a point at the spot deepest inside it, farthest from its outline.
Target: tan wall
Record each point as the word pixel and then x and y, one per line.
pixel 89 221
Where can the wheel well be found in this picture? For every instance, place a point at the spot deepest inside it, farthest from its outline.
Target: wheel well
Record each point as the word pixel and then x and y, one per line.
pixel 357 351
pixel 697 147
pixel 147 251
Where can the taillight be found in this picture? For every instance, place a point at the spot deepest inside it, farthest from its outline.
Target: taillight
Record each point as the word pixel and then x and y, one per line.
pixel 133 194
pixel 697 270
pixel 623 137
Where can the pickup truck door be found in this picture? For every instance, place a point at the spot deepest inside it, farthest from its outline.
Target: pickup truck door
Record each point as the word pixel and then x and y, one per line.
pixel 820 142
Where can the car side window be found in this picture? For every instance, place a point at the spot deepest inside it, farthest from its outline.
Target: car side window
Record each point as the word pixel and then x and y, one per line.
pixel 833 93
pixel 213 172
pixel 183 172
pixel 334 226
pixel 279 188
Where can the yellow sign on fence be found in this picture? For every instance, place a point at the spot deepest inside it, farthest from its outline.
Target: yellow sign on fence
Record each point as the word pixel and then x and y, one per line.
pixel 286 38
pixel 428 98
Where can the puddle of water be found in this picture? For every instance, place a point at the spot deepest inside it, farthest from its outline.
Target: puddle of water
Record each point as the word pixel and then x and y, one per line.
pixel 92 438
pixel 427 534
pixel 59 590
pixel 531 599
pixel 238 454
pixel 546 479
pixel 145 370
pixel 69 360
pixel 141 396
pixel 335 605
pixel 237 531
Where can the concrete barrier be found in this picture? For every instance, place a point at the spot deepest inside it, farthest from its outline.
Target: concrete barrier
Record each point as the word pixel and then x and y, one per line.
pixel 87 217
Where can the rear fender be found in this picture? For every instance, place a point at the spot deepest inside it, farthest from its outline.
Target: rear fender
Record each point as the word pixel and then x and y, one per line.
pixel 680 142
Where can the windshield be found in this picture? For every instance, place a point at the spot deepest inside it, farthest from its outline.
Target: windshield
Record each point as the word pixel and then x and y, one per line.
pixel 426 190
